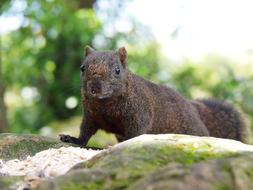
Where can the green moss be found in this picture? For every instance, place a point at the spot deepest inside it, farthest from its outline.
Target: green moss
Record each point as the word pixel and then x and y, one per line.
pixel 6 181
pixel 121 166
pixel 221 187
pixel 244 169
pixel 72 186
pixel 226 167
pixel 249 172
pixel 26 147
pixel 19 146
pixel 240 170
pixel 126 165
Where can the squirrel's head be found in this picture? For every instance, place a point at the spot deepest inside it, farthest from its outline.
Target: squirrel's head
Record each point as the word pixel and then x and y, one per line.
pixel 103 73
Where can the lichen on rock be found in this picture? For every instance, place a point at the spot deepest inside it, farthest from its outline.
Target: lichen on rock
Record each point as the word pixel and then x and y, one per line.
pixel 155 162
pixel 19 146
pixel 123 165
pixel 217 174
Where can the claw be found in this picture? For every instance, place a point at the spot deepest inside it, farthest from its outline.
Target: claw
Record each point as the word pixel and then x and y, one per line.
pixel 65 138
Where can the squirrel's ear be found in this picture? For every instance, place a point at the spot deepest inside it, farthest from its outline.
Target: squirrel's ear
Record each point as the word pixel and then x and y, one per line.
pixel 88 50
pixel 122 56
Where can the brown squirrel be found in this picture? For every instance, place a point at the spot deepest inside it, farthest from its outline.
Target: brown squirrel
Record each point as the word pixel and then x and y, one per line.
pixel 117 101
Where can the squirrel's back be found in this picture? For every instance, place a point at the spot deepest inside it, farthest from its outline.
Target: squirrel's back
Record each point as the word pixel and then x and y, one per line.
pixel 169 111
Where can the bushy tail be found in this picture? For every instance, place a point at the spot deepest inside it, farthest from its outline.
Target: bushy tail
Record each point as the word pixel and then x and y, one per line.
pixel 223 120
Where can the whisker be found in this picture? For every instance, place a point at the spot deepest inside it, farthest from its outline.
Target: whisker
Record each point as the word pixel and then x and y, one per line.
pixel 71 89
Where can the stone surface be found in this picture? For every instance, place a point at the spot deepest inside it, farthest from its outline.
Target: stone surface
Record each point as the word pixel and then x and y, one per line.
pixel 20 146
pixel 153 162
pixel 218 174
pixel 161 162
pixel 10 183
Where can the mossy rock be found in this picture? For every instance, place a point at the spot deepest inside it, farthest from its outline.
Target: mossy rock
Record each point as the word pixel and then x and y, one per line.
pixel 220 174
pixel 130 163
pixel 19 146
pixel 10 183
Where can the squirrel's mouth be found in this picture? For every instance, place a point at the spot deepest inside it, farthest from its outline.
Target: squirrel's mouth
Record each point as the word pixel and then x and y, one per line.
pixel 96 89
pixel 99 89
pixel 99 93
pixel 101 96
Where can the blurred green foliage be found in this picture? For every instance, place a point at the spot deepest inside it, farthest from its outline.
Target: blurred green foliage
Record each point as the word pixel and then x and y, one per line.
pixel 45 53
pixel 145 61
pixel 41 60
pixel 42 57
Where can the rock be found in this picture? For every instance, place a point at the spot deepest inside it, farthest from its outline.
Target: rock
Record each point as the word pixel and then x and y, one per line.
pixel 10 183
pixel 47 163
pixel 153 162
pixel 221 174
pixel 16 146
pixel 163 162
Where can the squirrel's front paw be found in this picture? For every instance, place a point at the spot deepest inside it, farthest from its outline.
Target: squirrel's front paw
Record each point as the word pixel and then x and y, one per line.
pixel 65 138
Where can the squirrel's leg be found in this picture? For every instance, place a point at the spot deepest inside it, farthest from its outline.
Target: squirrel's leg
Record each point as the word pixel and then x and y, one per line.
pixel 120 138
pixel 131 131
pixel 86 131
pixel 137 125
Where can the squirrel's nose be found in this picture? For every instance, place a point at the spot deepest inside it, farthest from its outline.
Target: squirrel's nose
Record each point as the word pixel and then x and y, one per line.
pixel 96 87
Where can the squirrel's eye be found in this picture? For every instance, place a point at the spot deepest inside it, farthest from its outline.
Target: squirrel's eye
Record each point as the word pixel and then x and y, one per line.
pixel 117 70
pixel 82 68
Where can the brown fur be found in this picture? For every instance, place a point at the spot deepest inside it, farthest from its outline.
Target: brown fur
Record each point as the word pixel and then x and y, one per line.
pixel 222 120
pixel 117 101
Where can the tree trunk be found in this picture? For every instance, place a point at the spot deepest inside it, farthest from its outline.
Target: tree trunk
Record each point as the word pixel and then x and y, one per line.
pixel 3 116
pixel 88 4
